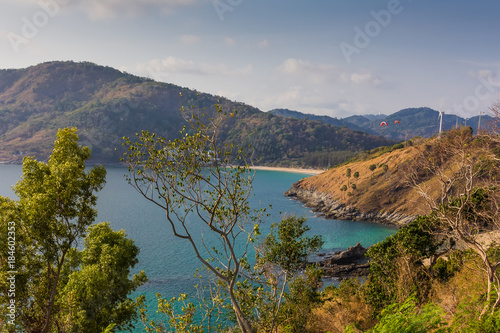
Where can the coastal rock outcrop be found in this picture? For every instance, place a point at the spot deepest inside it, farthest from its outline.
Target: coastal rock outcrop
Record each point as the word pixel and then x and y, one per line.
pixel 332 209
pixel 346 264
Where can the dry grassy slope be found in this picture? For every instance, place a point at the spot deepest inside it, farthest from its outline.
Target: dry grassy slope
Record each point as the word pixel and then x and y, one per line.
pixel 378 192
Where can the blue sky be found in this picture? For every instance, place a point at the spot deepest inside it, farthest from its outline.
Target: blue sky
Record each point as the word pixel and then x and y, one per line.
pixel 335 58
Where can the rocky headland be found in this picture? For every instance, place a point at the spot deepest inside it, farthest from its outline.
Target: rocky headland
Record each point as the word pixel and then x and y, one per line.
pixel 329 208
pixel 372 187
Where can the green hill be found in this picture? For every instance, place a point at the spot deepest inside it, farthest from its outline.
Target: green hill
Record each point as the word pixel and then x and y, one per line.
pixel 106 104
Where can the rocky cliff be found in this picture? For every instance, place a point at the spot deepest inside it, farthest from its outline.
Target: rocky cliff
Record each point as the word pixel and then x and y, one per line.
pixel 331 209
pixel 371 188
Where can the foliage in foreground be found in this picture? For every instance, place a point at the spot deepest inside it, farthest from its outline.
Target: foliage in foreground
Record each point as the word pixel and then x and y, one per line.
pixel 396 269
pixel 276 295
pixel 199 178
pixel 57 287
pixel 408 318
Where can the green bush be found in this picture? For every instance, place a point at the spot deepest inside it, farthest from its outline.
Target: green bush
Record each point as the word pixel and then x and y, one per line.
pixel 446 269
pixel 408 318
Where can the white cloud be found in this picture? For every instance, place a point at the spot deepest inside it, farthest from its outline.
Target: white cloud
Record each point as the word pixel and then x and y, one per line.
pixel 263 43
pixel 287 98
pixel 190 39
pixel 482 73
pixel 321 73
pixel 4 35
pixel 229 94
pixel 229 41
pixel 158 68
pixel 297 66
pixel 314 73
pixel 361 77
pixel 321 88
pixel 101 9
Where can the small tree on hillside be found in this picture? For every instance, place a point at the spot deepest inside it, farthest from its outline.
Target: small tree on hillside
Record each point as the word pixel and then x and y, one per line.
pixel 372 167
pixel 343 189
pixel 356 176
pixel 348 175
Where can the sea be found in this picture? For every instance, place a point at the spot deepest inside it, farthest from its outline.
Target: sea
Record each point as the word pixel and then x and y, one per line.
pixel 169 262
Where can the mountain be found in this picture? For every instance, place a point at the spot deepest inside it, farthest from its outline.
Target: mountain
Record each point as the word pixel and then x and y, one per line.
pixel 106 104
pixel 409 122
pixel 299 115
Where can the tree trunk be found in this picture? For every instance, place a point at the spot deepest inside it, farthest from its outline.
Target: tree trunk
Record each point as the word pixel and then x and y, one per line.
pixel 488 294
pixel 52 295
pixel 243 322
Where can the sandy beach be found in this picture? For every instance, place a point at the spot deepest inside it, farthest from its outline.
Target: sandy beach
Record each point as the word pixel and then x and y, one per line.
pixel 294 170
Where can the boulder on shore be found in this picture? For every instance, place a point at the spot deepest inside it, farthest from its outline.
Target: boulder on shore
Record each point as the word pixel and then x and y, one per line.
pixel 349 256
pixel 345 264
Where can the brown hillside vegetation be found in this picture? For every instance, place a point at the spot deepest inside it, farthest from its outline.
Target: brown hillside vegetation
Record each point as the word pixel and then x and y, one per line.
pixel 386 189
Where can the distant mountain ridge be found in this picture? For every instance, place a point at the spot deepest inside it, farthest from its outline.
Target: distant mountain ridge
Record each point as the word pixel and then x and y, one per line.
pixel 409 122
pixel 106 104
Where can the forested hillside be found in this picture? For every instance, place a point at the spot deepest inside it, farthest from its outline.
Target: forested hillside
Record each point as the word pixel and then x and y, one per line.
pixel 106 104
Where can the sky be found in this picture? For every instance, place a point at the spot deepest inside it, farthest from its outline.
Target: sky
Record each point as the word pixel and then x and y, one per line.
pixel 325 57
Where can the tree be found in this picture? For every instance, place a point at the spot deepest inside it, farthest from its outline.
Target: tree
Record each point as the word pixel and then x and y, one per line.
pixel 99 289
pixel 356 176
pixel 465 171
pixel 282 255
pixel 195 177
pixel 343 188
pixel 372 167
pixel 348 175
pixel 396 268
pixel 55 207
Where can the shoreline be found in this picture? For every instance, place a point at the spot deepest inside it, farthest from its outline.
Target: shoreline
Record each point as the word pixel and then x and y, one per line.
pixel 291 170
pixel 258 167
pixel 330 208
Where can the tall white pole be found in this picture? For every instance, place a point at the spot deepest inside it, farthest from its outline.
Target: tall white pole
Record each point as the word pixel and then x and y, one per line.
pixel 441 120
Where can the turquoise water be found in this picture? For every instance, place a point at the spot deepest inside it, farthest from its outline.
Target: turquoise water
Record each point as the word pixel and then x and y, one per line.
pixel 168 261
